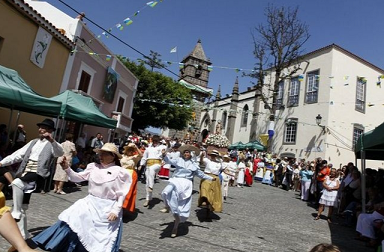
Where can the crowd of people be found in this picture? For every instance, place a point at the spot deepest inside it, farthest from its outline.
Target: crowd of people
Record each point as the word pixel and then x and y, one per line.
pixel 112 171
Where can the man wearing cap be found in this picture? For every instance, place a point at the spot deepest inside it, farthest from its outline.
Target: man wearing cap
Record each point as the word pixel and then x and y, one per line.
pixel 152 159
pixel 36 158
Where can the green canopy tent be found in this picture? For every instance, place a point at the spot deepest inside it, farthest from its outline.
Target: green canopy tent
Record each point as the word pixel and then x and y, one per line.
pixel 370 145
pixel 255 145
pixel 236 146
pixel 78 108
pixel 16 94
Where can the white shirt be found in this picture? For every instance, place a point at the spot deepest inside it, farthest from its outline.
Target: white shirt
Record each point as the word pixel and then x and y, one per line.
pixel 153 153
pixel 17 156
pixel 81 142
pixel 211 166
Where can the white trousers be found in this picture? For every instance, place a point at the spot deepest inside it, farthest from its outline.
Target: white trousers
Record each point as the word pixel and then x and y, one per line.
pixel 365 224
pixel 150 174
pixel 305 185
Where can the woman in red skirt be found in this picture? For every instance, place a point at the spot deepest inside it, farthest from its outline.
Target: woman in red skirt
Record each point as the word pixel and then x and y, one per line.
pixel 131 156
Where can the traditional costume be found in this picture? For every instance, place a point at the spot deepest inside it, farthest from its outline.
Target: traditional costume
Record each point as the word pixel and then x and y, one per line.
pixel 152 159
pixel 129 163
pixel 178 194
pixel 36 159
pixel 210 191
pixel 84 226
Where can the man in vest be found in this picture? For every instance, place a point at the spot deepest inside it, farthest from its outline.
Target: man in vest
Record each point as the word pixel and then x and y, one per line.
pixel 36 158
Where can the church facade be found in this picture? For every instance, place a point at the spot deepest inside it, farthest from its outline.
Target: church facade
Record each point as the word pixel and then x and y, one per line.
pixel 336 87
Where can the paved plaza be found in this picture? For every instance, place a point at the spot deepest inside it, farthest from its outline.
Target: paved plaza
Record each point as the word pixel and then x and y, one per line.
pixel 257 218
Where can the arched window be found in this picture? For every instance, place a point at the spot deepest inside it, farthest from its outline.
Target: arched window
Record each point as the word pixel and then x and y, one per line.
pixel 244 117
pixel 224 120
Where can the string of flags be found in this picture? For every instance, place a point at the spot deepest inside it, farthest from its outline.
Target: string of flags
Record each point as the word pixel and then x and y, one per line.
pixel 128 20
pixel 108 57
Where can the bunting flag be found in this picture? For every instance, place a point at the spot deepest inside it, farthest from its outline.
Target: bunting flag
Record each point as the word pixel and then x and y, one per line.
pixel 173 50
pixel 120 27
pixel 181 65
pixel 128 21
pixel 108 57
pixel 152 3
pixel 301 77
pixel 105 34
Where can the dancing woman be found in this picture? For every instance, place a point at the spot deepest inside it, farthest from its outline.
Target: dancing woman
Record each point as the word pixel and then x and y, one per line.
pixel 210 191
pixel 177 195
pixel 131 156
pixel 94 222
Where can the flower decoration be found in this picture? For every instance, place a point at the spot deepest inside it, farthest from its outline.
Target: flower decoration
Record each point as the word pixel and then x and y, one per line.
pixel 217 140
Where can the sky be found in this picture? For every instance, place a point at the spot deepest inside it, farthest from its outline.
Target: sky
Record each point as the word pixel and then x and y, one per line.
pixel 225 27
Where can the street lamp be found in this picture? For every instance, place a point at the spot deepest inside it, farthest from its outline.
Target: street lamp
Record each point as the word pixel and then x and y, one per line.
pixel 318 122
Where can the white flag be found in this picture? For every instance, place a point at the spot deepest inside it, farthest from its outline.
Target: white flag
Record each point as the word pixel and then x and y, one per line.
pixel 173 50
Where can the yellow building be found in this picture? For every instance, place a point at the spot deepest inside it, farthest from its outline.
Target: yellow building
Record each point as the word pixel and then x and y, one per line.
pixel 37 50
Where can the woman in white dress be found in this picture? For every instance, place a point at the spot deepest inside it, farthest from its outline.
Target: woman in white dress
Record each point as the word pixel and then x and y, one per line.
pixel 177 195
pixel 93 223
pixel 241 170
pixel 331 185
pixel 61 176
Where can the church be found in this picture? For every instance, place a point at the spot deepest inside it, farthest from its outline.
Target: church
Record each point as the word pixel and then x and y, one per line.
pixel 322 110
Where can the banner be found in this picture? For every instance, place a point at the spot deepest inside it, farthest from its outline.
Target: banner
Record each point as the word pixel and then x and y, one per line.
pixel 40 47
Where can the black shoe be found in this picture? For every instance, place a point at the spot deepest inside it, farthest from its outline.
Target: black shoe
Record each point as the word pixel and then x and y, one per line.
pixel 225 198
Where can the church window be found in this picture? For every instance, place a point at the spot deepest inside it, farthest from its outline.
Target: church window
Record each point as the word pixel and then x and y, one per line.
pixel 224 120
pixel 244 117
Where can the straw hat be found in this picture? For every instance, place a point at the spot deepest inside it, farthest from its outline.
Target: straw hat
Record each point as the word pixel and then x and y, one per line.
pixel 226 157
pixel 109 147
pixel 188 147
pixel 214 152
pixel 129 147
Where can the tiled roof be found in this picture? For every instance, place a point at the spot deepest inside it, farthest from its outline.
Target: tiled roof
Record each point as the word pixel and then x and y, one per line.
pixel 36 17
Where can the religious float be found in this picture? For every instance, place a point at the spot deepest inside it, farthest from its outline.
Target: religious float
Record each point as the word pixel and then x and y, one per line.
pixel 217 141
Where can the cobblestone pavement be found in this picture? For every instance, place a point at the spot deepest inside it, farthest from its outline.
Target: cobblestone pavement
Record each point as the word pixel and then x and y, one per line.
pixel 257 218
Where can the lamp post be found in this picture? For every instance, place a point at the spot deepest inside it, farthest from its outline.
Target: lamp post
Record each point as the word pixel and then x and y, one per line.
pixel 318 119
pixel 318 122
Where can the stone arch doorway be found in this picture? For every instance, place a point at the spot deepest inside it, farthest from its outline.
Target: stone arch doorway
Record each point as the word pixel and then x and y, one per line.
pixel 204 134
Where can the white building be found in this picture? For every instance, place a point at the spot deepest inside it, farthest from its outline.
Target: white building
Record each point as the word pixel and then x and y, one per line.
pixel 342 88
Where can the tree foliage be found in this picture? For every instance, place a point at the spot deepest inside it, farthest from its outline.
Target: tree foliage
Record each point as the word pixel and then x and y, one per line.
pixel 278 46
pixel 153 61
pixel 160 101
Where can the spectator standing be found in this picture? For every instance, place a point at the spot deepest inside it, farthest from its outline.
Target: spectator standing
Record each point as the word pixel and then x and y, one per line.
pixel 60 176
pixel 329 196
pixel 81 142
pixel 306 178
